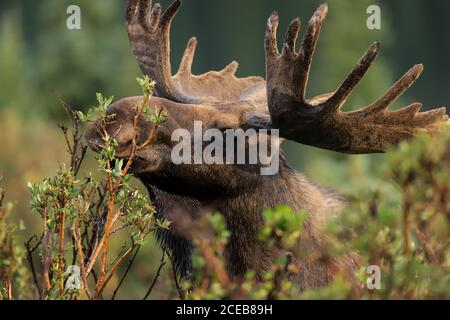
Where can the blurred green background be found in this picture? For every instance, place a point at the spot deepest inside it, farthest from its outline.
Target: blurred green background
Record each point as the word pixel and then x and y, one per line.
pixel 40 56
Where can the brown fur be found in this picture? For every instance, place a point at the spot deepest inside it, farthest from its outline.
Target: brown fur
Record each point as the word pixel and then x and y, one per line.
pixel 221 100
pixel 183 192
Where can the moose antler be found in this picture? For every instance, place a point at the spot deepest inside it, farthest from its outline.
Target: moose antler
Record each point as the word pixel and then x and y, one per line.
pixel 319 121
pixel 149 34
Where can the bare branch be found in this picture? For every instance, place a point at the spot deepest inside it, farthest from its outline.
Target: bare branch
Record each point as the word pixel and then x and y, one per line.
pixel 155 279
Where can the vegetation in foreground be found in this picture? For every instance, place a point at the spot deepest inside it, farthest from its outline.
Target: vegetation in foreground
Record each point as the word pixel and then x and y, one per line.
pixel 401 225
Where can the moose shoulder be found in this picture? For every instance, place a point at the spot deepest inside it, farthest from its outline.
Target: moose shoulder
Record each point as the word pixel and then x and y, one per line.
pixel 219 100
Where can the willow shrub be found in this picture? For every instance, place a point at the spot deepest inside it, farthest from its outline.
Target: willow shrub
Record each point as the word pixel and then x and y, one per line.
pixel 400 226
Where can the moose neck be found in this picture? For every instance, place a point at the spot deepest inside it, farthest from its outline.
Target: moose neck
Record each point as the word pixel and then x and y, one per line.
pixel 243 212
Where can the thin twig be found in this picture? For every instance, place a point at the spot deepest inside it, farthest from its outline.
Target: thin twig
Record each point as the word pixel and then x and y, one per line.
pixel 46 255
pixel 113 269
pixel 76 236
pixel 405 219
pixel 180 291
pixel 30 252
pixel 152 134
pixel 429 252
pixel 61 239
pixel 155 279
pixel 213 263
pixel 105 245
pixel 130 263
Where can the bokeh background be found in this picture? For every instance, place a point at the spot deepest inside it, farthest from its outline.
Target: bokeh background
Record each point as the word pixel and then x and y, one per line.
pixel 40 56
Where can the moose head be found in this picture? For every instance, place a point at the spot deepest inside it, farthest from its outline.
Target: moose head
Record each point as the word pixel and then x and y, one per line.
pixel 276 105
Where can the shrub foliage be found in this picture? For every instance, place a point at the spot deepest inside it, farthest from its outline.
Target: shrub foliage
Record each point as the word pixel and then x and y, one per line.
pixel 401 226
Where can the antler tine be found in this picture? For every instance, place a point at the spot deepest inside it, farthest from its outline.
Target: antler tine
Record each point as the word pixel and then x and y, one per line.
pixel 408 112
pixel 131 10
pixel 169 14
pixel 291 36
pixel 271 35
pixel 430 117
pixel 396 90
pixel 231 68
pixel 308 45
pixel 335 102
pixel 144 13
pixel 188 57
pixel 155 15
